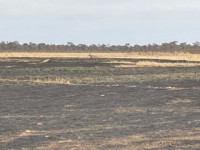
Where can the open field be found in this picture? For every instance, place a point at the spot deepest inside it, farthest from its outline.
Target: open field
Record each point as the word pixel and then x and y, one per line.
pixel 104 103
pixel 147 55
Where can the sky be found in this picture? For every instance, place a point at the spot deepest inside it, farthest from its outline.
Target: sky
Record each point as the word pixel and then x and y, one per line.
pixel 114 22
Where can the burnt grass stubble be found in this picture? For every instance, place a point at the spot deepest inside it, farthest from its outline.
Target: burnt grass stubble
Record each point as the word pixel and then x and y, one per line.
pixel 101 103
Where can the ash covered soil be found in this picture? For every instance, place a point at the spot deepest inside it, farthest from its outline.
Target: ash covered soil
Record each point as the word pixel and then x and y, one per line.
pixel 92 104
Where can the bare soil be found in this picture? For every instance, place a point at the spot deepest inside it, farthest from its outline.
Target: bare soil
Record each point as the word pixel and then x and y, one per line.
pixel 87 104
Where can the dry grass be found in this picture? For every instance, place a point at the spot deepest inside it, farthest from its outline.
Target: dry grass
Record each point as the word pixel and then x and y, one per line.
pixel 57 80
pixel 159 64
pixel 10 138
pixel 51 81
pixel 68 145
pixel 170 56
pixel 153 64
pixel 131 109
pixel 178 100
pixel 161 56
pixel 174 105
pixel 173 138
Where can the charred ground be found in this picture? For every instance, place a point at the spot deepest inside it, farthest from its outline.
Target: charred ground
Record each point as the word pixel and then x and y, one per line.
pixel 92 104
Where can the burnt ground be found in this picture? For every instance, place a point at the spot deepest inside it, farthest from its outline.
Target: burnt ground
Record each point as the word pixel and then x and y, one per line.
pixel 100 107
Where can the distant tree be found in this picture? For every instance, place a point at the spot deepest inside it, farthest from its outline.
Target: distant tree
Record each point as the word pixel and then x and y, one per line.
pixel 171 47
pixel 41 46
pixel 183 46
pixel 32 46
pixel 3 45
pixel 196 43
pixel 82 47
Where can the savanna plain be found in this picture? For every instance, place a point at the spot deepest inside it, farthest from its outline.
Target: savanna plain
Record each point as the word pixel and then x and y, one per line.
pixel 100 103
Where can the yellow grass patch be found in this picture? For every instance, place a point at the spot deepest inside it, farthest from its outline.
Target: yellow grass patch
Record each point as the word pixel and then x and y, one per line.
pixel 52 81
pixel 138 141
pixel 133 109
pixel 171 88
pixel 169 107
pixel 125 140
pixel 67 145
pixel 177 101
pixel 159 64
pixel 141 141
pixel 10 138
pixel 170 56
pixel 57 80
pixel 155 64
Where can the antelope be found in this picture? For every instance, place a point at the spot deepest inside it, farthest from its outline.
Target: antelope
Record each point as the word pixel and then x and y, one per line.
pixel 92 56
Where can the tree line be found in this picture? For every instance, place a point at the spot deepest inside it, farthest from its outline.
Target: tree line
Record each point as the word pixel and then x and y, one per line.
pixel 172 47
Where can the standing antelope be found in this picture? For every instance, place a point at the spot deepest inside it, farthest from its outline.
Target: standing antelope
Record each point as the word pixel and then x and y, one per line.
pixel 92 56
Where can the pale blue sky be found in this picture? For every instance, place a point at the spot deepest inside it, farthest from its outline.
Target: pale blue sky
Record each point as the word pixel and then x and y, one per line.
pixel 100 21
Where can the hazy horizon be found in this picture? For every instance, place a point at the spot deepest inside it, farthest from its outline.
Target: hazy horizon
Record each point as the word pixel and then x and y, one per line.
pixel 113 22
